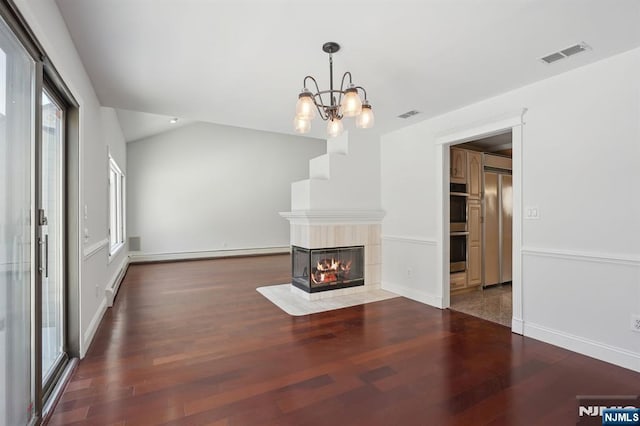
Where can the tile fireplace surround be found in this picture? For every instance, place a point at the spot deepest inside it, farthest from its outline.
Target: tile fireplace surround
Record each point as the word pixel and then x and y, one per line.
pixel 326 229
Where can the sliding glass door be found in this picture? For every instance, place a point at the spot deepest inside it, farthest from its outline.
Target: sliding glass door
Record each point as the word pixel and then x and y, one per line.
pixel 17 251
pixel 51 239
pixel 33 237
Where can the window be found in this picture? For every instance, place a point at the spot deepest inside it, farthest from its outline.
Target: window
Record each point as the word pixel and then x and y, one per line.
pixel 116 207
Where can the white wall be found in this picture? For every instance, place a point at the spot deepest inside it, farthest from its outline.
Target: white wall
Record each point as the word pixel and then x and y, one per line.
pixel 98 129
pixel 581 259
pixel 347 177
pixel 206 187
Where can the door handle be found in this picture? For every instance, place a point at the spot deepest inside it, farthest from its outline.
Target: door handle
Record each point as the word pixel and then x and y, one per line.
pixel 46 255
pixel 44 266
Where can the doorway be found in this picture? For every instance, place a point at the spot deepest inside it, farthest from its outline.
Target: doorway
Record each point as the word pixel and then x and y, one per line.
pixel 465 132
pixel 481 181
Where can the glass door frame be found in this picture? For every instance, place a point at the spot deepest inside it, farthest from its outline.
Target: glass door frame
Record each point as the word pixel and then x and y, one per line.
pixel 49 380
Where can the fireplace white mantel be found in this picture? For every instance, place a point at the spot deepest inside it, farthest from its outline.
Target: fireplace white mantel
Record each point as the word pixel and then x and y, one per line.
pixel 344 228
pixel 332 217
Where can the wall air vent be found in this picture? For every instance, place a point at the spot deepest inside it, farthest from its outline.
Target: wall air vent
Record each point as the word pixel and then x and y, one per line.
pixel 565 53
pixel 409 114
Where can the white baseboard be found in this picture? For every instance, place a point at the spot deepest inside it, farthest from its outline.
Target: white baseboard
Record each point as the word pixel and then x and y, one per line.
pixel 139 257
pixel 517 326
pixel 93 327
pixel 114 283
pixel 601 351
pixel 410 293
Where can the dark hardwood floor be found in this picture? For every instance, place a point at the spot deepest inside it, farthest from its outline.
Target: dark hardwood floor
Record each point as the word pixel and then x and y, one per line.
pixel 193 343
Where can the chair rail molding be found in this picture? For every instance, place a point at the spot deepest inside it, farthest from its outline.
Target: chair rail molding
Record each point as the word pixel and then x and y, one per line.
pixel 410 240
pixel 592 257
pixel 94 248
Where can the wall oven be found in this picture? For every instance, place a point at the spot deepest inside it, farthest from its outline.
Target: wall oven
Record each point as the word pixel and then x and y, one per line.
pixel 458 252
pixel 458 207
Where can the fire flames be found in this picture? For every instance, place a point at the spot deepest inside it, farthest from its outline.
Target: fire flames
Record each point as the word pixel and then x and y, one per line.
pixel 329 271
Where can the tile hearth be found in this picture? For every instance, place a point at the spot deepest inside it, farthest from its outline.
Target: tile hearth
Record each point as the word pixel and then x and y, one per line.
pixel 292 301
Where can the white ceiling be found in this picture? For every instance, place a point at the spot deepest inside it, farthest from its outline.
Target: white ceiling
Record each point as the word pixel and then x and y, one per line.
pixel 241 62
pixel 139 125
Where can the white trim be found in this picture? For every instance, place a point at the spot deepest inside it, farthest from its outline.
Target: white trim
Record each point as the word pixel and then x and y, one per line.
pixel 94 248
pixel 515 122
pixel 601 351
pixel 114 283
pixel 93 328
pixel 580 256
pixel 410 240
pixel 323 217
pixel 113 251
pixel 156 257
pixel 517 326
pixel 413 294
pixel 482 128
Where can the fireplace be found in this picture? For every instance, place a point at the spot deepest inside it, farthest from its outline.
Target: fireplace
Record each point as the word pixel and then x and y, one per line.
pixel 315 270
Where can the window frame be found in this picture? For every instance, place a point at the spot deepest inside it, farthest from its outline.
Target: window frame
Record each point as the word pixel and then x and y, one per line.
pixel 119 208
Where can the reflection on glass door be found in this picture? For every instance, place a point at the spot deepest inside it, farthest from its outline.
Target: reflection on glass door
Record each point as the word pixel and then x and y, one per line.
pixel 51 237
pixel 17 388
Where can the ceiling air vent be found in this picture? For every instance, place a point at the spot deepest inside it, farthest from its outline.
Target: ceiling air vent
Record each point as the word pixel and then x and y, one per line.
pixel 553 57
pixel 409 114
pixel 565 53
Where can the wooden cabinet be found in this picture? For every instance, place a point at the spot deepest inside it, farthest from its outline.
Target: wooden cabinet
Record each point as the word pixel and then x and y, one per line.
pixel 458 281
pixel 467 167
pixel 474 244
pixel 458 165
pixel 474 175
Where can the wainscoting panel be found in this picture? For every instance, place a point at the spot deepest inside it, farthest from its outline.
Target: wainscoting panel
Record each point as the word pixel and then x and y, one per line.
pixel 409 268
pixel 560 291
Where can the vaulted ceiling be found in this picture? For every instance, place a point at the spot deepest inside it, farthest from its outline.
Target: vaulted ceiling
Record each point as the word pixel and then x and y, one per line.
pixel 241 62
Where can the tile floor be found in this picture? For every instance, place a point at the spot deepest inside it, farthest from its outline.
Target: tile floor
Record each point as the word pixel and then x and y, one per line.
pixel 492 304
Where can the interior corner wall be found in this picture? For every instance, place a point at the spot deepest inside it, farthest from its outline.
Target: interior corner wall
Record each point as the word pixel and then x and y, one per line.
pixel 581 258
pixel 346 178
pixel 98 128
pixel 205 188
pixel 357 178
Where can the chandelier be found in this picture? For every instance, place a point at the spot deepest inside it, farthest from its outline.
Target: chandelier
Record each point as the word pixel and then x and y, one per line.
pixel 344 102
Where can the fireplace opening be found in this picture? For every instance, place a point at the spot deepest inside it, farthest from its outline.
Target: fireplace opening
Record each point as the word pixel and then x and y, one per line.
pixel 315 270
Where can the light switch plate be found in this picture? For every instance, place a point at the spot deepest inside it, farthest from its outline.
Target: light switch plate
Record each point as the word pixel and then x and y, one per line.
pixel 532 212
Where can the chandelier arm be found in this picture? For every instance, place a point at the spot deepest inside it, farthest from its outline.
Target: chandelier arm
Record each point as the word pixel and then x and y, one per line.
pixel 321 111
pixel 318 93
pixel 321 103
pixel 342 85
pixel 304 82
pixel 364 91
pixel 343 77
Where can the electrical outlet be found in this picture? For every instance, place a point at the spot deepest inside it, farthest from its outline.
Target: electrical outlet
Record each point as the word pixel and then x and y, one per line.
pixel 635 323
pixel 409 272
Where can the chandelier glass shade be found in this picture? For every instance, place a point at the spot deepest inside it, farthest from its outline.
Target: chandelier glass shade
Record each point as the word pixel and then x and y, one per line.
pixel 334 104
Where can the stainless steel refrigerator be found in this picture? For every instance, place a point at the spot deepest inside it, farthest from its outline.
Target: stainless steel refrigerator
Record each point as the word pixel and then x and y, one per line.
pixel 498 214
